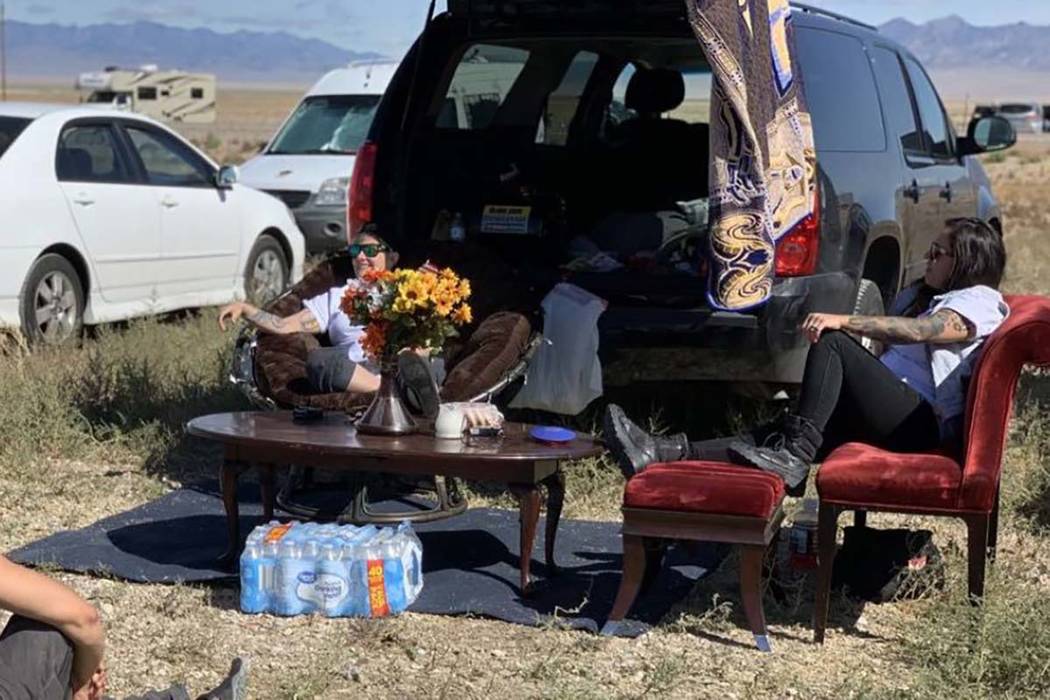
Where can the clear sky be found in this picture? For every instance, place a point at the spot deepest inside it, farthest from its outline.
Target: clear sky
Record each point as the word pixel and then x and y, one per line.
pixel 388 26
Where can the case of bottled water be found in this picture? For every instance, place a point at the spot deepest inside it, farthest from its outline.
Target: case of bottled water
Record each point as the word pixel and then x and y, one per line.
pixel 335 570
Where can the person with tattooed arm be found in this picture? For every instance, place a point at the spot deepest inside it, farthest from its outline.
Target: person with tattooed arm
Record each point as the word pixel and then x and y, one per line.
pixel 910 399
pixel 344 366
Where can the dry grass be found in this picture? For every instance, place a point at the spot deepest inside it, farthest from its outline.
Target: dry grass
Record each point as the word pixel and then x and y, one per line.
pixel 97 430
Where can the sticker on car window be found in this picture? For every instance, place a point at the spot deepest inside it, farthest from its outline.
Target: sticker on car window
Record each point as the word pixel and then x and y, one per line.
pixel 505 219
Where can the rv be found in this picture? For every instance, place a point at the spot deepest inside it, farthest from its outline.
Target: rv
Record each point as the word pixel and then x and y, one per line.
pixel 170 95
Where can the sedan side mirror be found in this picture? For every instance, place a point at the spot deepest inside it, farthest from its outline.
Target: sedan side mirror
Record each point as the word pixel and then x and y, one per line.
pixel 227 177
pixel 986 135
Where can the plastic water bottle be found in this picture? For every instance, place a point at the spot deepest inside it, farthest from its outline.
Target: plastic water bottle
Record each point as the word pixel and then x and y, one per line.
pixel 394 575
pixel 253 595
pixel 333 585
pixel 457 230
pixel 290 567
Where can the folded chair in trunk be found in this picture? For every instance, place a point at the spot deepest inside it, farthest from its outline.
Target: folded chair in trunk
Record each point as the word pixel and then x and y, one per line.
pixel 271 371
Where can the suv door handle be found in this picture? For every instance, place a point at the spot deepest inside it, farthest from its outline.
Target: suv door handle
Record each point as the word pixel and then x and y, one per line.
pixel 83 200
pixel 913 191
pixel 946 193
pixel 169 202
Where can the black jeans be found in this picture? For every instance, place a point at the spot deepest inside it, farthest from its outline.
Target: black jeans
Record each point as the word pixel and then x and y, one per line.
pixel 36 662
pixel 849 395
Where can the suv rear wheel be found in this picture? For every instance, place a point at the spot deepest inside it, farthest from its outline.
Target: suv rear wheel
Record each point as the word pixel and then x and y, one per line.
pixel 266 274
pixel 52 307
pixel 869 303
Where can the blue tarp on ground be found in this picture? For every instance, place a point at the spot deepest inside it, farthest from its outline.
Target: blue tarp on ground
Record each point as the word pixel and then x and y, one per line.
pixel 470 562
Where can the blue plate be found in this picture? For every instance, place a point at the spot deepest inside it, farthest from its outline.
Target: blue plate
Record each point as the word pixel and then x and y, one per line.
pixel 550 433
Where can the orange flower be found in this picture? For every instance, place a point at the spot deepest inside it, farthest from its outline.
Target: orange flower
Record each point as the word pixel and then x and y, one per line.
pixel 462 314
pixel 374 340
pixel 371 276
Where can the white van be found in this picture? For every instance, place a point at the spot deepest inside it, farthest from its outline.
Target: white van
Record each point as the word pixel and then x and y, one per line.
pixel 308 162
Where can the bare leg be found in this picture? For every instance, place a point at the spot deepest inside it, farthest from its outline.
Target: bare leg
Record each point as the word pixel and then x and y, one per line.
pixel 363 381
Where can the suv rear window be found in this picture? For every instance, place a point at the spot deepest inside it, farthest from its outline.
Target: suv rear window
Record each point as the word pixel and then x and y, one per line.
pixel 1017 109
pixel 840 90
pixel 10 128
pixel 479 86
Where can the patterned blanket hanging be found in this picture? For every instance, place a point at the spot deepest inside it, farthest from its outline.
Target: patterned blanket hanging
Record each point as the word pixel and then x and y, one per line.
pixel 763 163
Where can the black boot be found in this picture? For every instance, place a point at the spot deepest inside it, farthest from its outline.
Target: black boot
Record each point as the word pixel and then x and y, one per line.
pixel 788 453
pixel 234 686
pixel 417 384
pixel 634 449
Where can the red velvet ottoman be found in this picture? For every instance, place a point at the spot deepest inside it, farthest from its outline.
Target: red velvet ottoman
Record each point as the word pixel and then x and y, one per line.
pixel 705 501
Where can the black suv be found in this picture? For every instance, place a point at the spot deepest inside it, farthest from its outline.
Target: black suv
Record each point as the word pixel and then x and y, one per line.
pixel 548 131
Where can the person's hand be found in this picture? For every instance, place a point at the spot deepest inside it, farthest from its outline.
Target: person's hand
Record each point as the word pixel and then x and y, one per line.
pixel 231 312
pixel 99 682
pixel 815 324
pixel 95 688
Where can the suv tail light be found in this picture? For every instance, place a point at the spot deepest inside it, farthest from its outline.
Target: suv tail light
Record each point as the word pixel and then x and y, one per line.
pixel 799 248
pixel 362 187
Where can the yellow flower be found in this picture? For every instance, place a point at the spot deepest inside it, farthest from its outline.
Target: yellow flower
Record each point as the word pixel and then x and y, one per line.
pixel 462 315
pixel 442 308
pixel 464 289
pixel 412 294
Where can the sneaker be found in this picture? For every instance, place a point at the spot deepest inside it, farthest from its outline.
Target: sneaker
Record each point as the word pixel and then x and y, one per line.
pixel 418 385
pixel 234 686
pixel 633 448
pixel 776 457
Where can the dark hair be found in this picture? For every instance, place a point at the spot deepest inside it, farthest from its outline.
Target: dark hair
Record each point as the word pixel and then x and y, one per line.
pixel 979 253
pixel 372 231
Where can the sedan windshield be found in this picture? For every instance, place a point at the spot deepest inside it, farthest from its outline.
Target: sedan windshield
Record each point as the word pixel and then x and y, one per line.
pixel 328 124
pixel 10 128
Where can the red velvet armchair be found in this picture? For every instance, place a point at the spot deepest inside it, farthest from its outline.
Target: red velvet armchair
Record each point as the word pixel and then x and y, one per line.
pixel 863 478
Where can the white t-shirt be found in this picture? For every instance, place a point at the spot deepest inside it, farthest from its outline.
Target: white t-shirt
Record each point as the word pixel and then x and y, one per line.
pixel 325 308
pixel 939 373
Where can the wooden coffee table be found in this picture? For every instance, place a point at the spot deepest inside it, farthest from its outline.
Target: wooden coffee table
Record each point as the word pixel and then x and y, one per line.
pixel 269 440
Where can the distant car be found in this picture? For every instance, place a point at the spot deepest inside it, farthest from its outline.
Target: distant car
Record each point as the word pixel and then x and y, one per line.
pixel 1025 117
pixel 308 162
pixel 109 215
pixel 981 111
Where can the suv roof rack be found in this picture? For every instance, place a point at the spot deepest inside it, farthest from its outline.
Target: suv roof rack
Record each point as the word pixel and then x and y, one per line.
pixel 834 15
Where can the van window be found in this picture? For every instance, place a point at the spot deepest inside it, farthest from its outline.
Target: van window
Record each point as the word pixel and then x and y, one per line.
pixel 934 121
pixel 840 91
pixel 896 101
pixel 563 102
pixel 147 93
pixel 197 93
pixel 327 124
pixel 481 82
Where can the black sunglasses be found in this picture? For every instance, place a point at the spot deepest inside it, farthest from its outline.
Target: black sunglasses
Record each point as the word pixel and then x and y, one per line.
pixel 369 249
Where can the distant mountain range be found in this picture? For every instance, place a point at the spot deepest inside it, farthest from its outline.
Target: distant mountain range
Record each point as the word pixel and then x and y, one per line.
pixel 965 60
pixel 951 43
pixel 59 51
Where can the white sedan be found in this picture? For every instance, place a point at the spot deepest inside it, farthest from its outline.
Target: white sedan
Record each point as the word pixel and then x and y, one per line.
pixel 106 216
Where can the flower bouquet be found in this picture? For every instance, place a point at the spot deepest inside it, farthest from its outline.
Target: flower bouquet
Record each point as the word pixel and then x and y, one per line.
pixel 413 310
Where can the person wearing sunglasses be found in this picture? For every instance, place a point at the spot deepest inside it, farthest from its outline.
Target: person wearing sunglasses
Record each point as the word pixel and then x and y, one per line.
pixel 909 399
pixel 344 366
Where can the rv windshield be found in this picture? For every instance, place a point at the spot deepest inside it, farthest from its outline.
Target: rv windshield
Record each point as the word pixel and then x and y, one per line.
pixel 327 124
pixel 10 128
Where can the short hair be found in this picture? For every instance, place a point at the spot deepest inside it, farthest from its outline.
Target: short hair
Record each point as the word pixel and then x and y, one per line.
pixel 979 254
pixel 372 231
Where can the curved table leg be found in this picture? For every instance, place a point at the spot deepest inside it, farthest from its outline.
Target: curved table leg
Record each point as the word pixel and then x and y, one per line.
pixel 528 496
pixel 555 500
pixel 229 474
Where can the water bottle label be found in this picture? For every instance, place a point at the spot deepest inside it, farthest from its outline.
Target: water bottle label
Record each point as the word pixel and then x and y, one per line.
pixel 377 589
pixel 323 590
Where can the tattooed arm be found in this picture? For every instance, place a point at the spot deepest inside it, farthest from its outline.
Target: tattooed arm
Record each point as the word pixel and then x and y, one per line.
pixel 945 326
pixel 302 322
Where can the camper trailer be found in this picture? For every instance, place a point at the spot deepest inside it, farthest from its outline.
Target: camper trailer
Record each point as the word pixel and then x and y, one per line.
pixel 169 95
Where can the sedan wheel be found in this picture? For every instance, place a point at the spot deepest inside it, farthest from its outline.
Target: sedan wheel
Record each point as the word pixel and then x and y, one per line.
pixel 52 302
pixel 267 272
